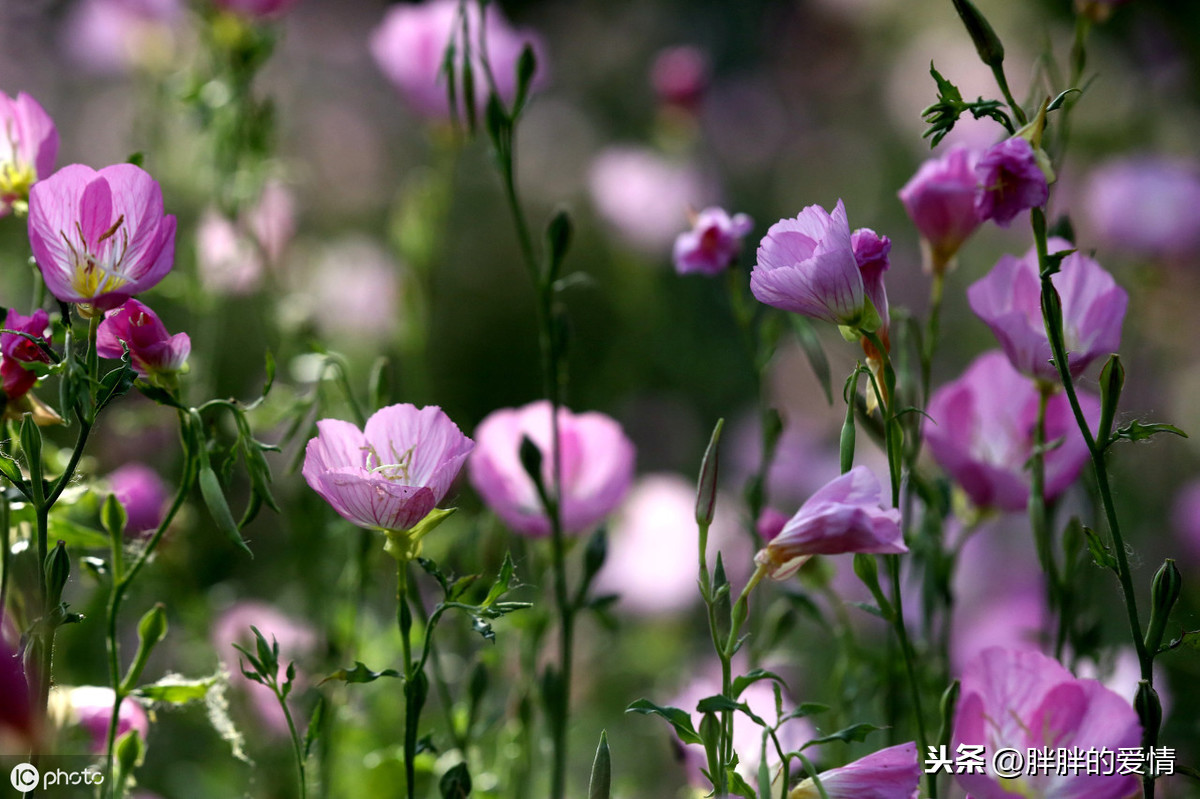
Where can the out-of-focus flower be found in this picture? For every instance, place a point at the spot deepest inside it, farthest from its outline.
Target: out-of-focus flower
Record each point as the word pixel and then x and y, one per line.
pixel 391 474
pixel 940 201
pixel 770 524
pixel 17 350
pixel 28 147
pixel 644 196
pixel 353 290
pixel 1097 10
pixel 1026 701
pixel 409 47
pixel 231 255
pixel 1010 180
pixel 257 9
pixel 597 467
pixel 982 433
pixel 680 76
pixel 153 352
pixel 115 36
pixel 272 220
pixel 1145 205
pixel 844 516
pixel 142 493
pixel 16 719
pixel 1008 299
pixel 297 642
pixel 90 707
pixel 807 265
pixel 100 237
pixel 713 243
pixel 1185 518
pixel 891 773
pixel 871 254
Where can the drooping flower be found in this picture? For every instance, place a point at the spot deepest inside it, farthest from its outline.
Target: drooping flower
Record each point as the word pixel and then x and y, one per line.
pixel 1145 205
pixel 28 147
pixel 391 474
pixel 90 707
pixel 807 265
pixel 152 350
pixel 844 516
pixel 100 237
pixel 1011 181
pixel 940 201
pixel 1023 700
pixel 409 47
pixel 597 467
pixel 1008 299
pixel 712 244
pixel 257 9
pixel 142 493
pixel 19 350
pixel 982 433
pixel 891 773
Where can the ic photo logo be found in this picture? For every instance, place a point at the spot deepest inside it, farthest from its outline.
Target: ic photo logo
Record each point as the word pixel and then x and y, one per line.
pixel 24 777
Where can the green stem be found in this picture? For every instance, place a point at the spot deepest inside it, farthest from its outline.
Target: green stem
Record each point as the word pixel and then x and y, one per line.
pixel 1039 514
pixel 404 622
pixel 1002 82
pixel 297 747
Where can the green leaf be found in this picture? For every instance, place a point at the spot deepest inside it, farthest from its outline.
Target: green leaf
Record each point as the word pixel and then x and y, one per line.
pixel 159 395
pixel 176 690
pixel 503 582
pixel 75 534
pixel 359 674
pixel 1058 101
pixel 314 726
pixel 218 508
pixel 677 718
pixel 738 786
pixel 1100 551
pixel 853 733
pixel 805 709
pixel 456 783
pixel 810 342
pixel 1139 431
pixel 1189 639
pixel 749 678
pixel 600 785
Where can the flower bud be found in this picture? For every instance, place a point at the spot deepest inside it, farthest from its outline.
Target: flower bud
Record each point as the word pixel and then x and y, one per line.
pixel 1148 707
pixel 58 571
pixel 706 487
pixel 1164 591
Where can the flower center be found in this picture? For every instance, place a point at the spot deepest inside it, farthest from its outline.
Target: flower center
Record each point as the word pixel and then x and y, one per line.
pixel 94 273
pixel 397 471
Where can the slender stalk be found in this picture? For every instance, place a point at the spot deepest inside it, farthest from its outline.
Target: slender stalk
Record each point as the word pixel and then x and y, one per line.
pixel 1002 82
pixel 5 543
pixel 404 622
pixel 297 747
pixel 1039 513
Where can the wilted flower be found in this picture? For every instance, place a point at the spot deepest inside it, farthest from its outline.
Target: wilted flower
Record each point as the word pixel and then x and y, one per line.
pixel 153 352
pixel 844 516
pixel 257 9
pixel 712 244
pixel 940 201
pixel 1008 299
pixel 1026 701
pixel 597 467
pixel 807 265
pixel 91 706
pixel 1146 205
pixel 100 237
pixel 28 147
pixel 18 350
pixel 409 47
pixel 891 773
pixel 143 495
pixel 1011 181
pixel 982 433
pixel 391 474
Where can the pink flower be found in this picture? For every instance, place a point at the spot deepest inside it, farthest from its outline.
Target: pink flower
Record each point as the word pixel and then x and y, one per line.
pixel 1011 181
pixel 19 350
pixel 770 524
pixel 983 428
pixel 28 147
pixel 807 265
pixel 680 76
pixel 390 475
pixel 1185 519
pixel 871 254
pixel 15 714
pixel 257 9
pixel 712 244
pixel 142 493
pixel 100 237
pixel 1146 205
pixel 231 256
pixel 597 467
pixel 1025 700
pixel 91 708
pixel 116 36
pixel 844 516
pixel 409 47
pixel 152 350
pixel 1008 299
pixel 940 201
pixel 891 773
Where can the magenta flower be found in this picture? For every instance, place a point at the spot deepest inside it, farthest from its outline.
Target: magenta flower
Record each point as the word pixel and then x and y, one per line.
pixel 111 37
pixel 100 237
pixel 1008 299
pixel 940 201
pixel 142 493
pixel 770 524
pixel 597 467
pixel 1024 700
pixel 1011 181
pixel 28 147
pixel 844 516
pixel 18 350
pixel 410 44
pixel 871 254
pixel 152 350
pixel 15 714
pixel 91 708
pixel 807 265
pixel 983 429
pixel 1146 205
pixel 391 474
pixel 680 76
pixel 712 245
pixel 891 773
pixel 257 9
